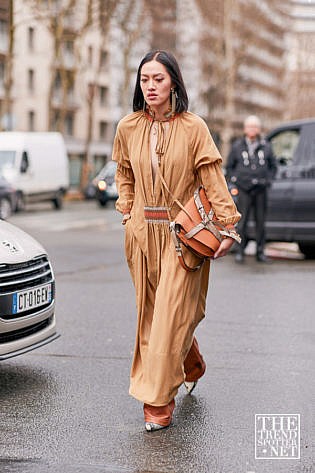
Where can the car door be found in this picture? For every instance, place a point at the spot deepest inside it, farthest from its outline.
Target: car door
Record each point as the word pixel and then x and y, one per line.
pixel 285 144
pixel 303 204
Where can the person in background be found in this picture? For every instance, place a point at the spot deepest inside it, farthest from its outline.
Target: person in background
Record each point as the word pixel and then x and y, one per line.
pixel 251 167
pixel 162 137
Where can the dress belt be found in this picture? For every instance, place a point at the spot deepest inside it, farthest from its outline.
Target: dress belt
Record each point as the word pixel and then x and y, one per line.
pixel 156 214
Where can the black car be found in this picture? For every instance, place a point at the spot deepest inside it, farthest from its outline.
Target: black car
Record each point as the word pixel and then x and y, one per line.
pixel 105 184
pixel 8 199
pixel 291 202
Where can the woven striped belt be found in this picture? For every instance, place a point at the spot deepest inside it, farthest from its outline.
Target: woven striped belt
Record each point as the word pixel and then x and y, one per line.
pixel 156 214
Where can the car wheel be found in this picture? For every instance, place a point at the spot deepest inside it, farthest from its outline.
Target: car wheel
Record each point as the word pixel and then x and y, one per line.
pixel 103 203
pixel 5 208
pixel 58 201
pixel 20 203
pixel 308 249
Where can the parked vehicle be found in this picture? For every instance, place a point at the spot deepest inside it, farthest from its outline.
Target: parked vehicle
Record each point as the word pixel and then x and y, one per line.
pixel 89 191
pixel 105 184
pixel 27 293
pixel 36 165
pixel 8 199
pixel 291 204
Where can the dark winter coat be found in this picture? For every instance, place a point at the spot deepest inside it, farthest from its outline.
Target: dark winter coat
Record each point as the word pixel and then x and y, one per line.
pixel 250 172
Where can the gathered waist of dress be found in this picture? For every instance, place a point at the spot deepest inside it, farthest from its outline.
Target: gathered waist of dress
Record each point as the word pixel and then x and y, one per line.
pixel 156 214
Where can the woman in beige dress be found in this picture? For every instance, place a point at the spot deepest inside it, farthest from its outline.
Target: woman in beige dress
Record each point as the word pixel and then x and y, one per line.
pixel 170 301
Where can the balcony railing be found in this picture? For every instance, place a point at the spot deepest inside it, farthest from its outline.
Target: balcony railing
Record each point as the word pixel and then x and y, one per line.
pixel 66 61
pixel 59 101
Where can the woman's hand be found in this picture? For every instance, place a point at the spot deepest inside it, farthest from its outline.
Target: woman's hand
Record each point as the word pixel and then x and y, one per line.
pixel 224 247
pixel 126 217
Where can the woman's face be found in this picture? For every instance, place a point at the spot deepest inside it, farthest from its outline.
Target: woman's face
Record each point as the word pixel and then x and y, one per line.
pixel 156 85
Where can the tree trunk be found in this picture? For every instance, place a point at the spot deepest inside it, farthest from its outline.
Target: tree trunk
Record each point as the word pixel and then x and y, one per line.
pixel 87 164
pixel 230 12
pixel 8 81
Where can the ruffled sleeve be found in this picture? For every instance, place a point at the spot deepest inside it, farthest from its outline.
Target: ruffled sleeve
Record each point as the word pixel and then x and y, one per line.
pixel 124 178
pixel 208 167
pixel 213 180
pixel 203 146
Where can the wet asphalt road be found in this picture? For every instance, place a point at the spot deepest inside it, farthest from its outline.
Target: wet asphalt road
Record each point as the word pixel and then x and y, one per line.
pixel 65 407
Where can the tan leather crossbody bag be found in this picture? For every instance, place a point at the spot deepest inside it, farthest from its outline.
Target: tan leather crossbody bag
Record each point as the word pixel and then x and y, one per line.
pixel 196 227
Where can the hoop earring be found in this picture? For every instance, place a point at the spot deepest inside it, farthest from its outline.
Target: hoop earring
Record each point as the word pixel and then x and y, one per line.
pixel 174 96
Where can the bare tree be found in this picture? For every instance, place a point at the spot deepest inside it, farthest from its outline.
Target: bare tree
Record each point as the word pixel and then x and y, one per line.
pixel 224 50
pixel 130 19
pixel 163 16
pixel 68 21
pixel 57 18
pixel 99 14
pixel 301 77
pixel 232 57
pixel 8 71
pixel 230 45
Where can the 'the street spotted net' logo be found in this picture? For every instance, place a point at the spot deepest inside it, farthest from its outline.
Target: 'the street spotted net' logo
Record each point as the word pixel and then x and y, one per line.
pixel 277 436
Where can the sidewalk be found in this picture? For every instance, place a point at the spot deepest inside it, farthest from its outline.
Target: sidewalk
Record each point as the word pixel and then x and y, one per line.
pixel 74 194
pixel 278 250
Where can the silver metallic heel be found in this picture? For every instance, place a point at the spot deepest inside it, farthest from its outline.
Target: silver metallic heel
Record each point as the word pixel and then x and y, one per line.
pixel 190 386
pixel 151 426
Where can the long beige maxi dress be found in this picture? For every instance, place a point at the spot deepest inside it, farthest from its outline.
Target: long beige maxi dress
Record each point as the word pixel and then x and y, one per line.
pixel 170 301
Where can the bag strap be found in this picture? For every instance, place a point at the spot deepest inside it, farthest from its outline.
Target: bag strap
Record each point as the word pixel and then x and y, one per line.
pixel 206 218
pixel 180 205
pixel 176 240
pixel 179 251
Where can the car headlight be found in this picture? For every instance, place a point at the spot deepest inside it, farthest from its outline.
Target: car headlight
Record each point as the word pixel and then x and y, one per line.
pixel 101 185
pixel 234 191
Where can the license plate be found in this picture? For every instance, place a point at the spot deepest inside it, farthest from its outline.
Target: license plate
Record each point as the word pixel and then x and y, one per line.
pixel 31 298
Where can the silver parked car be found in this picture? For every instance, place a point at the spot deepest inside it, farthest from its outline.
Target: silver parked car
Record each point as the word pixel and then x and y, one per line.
pixel 27 293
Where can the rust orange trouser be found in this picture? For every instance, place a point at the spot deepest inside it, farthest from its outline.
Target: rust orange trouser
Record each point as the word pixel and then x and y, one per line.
pixel 194 367
pixel 161 415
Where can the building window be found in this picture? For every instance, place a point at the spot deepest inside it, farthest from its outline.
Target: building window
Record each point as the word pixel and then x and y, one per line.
pixel 69 47
pixel 65 126
pixel 31 120
pixel 2 73
pixel 103 130
pixel 56 121
pixel 4 35
pixel 103 59
pixel 69 124
pixel 103 95
pixel 68 54
pixel 30 80
pixel 30 38
pixel 90 55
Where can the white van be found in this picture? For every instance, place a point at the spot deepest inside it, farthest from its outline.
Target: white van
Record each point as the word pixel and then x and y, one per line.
pixel 36 165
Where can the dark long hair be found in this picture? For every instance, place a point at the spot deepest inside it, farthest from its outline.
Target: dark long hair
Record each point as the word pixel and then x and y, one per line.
pixel 169 61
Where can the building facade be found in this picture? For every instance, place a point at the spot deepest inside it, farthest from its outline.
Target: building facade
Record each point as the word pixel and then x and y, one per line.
pixel 70 70
pixel 74 70
pixel 61 80
pixel 234 55
pixel 301 60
